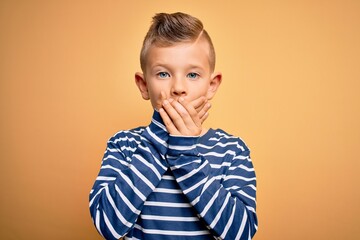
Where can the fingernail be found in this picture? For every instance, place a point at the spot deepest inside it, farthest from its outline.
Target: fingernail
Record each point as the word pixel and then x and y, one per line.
pixel 208 105
pixel 171 100
pixel 166 102
pixel 181 99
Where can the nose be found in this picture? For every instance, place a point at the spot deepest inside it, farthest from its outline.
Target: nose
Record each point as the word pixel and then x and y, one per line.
pixel 178 88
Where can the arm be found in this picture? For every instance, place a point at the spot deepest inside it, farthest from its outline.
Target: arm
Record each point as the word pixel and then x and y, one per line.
pixel 228 206
pixel 130 170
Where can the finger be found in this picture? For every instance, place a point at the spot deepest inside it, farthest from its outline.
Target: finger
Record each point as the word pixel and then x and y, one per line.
pixel 190 116
pixel 204 117
pixel 175 114
pixel 198 109
pixel 204 111
pixel 170 127
pixel 199 103
pixel 163 96
pixel 160 100
pixel 189 122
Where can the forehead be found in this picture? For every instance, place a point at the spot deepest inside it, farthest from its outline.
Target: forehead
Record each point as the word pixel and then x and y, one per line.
pixel 180 54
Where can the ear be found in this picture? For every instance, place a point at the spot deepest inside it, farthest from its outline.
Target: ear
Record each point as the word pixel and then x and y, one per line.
pixel 141 84
pixel 215 81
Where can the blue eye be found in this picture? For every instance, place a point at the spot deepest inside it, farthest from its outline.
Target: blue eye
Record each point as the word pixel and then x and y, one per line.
pixel 193 75
pixel 163 74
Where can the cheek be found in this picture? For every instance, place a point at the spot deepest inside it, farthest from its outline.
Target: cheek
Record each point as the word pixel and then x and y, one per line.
pixel 200 92
pixel 155 95
pixel 202 89
pixel 158 86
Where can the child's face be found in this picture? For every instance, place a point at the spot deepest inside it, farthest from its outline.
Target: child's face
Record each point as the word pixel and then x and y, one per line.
pixel 182 70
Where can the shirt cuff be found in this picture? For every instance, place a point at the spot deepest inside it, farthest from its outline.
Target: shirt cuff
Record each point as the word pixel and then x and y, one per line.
pixel 182 145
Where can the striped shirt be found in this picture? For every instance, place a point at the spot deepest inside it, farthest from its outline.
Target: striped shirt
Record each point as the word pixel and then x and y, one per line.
pixel 153 185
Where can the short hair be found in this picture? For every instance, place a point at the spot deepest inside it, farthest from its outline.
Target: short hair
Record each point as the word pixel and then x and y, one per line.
pixel 169 29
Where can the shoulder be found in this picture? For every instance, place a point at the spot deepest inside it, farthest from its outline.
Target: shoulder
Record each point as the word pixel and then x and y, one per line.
pixel 220 137
pixel 126 137
pixel 123 144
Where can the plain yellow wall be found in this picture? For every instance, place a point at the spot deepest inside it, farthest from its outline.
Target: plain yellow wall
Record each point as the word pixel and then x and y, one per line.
pixel 291 81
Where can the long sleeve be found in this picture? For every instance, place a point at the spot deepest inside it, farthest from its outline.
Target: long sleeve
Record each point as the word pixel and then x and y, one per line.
pixel 132 167
pixel 226 200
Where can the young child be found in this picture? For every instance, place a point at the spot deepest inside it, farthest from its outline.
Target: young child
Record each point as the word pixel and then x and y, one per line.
pixel 174 179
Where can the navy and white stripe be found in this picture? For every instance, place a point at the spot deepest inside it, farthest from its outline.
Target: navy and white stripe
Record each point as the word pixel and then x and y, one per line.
pixel 153 185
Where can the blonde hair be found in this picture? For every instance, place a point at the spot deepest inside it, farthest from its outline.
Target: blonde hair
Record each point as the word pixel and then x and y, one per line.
pixel 168 29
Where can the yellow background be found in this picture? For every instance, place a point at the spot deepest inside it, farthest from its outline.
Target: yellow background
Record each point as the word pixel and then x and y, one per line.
pixel 291 81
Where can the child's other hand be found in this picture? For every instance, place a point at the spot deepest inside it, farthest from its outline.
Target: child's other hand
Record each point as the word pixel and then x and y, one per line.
pixel 184 118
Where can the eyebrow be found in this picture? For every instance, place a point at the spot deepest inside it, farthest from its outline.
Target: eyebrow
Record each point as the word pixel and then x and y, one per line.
pixel 191 66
